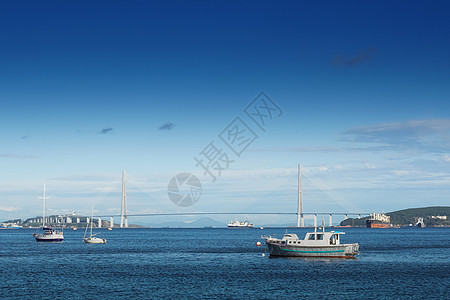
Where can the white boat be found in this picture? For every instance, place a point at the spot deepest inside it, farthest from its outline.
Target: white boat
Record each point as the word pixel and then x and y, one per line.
pixel 92 239
pixel 49 234
pixel 237 224
pixel 315 244
pixel 10 226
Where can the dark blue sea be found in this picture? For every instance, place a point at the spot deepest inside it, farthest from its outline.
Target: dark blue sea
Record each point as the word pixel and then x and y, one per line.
pixel 213 263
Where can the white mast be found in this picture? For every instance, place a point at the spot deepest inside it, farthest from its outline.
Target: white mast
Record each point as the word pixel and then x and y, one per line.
pixel 92 218
pixel 43 210
pixel 300 220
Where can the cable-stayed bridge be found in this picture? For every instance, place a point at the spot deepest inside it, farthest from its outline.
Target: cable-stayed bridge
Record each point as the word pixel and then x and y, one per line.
pixel 315 214
pixel 300 213
pixel 58 219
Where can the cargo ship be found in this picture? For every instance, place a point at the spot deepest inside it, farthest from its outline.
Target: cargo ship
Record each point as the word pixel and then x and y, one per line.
pixel 378 221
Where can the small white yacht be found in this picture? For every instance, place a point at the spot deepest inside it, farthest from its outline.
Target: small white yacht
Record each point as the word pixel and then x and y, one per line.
pixel 315 244
pixel 92 239
pixel 49 234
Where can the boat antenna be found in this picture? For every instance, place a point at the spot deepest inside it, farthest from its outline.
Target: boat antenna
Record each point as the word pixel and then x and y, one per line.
pixel 315 223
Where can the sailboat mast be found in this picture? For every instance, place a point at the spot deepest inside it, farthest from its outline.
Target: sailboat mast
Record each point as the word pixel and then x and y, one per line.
pixel 92 218
pixel 300 220
pixel 43 210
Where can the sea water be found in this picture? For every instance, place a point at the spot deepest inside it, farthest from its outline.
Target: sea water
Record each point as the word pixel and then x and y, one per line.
pixel 221 263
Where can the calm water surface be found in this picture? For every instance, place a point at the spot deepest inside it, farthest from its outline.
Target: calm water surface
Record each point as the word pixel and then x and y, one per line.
pixel 405 263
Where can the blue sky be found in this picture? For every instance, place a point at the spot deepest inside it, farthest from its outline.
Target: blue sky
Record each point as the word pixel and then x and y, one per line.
pixel 88 89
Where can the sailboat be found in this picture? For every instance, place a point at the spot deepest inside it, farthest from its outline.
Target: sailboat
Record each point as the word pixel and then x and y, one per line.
pixel 92 239
pixel 49 234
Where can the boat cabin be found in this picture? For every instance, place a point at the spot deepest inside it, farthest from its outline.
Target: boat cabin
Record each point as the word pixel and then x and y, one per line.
pixel 313 239
pixel 49 230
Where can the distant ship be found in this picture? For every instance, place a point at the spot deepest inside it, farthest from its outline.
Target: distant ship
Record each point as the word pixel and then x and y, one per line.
pixel 237 224
pixel 378 221
pixel 10 226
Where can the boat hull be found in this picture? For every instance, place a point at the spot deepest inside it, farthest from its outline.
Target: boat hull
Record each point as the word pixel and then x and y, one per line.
pixel 240 227
pixel 46 238
pixel 94 240
pixel 376 224
pixel 338 251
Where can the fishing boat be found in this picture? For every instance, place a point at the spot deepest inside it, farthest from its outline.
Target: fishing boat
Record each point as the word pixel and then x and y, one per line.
pixel 49 234
pixel 92 239
pixel 237 224
pixel 315 244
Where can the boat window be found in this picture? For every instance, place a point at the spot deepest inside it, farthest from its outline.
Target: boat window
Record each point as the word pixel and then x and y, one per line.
pixel 333 239
pixel 320 236
pixel 312 237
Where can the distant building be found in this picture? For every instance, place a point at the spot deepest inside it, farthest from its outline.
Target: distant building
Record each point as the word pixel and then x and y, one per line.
pixel 66 220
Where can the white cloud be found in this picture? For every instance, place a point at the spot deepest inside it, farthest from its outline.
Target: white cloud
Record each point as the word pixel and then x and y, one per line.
pixel 9 209
pixel 369 165
pixel 431 136
pixel 401 172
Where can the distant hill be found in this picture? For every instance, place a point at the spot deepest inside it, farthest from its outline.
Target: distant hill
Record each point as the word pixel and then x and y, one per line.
pixel 408 216
pixel 200 223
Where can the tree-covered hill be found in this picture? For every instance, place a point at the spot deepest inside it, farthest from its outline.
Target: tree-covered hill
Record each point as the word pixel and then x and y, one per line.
pixel 408 216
